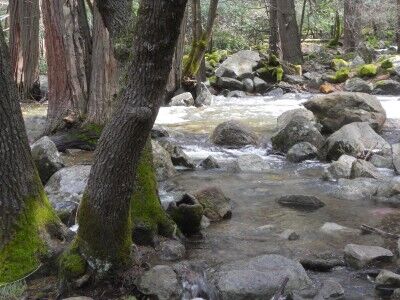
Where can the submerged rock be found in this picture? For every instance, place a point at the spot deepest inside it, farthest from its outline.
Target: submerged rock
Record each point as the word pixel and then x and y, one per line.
pixel 301 202
pixel 46 157
pixel 359 256
pixel 323 262
pixel 260 278
pixel 335 110
pixel 302 151
pixel 354 139
pixel 209 163
pixel 250 163
pixel 215 204
pixel 161 282
pixel 184 99
pixel 65 190
pixel 234 134
pixel 294 127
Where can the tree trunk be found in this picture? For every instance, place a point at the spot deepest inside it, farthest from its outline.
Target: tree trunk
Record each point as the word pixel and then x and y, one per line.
pixel 200 39
pixel 303 14
pixel 352 26
pixel 274 28
pixel 24 46
pixel 398 26
pixel 289 32
pixel 104 77
pixel 25 213
pixel 105 225
pixel 65 49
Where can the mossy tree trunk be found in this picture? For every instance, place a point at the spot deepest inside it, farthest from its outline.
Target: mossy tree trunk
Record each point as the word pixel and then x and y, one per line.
pixel 24 46
pixel 26 217
pixel 201 41
pixel 289 32
pixel 105 219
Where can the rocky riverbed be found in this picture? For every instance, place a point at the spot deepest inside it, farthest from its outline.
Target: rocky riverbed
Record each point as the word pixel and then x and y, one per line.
pixel 299 220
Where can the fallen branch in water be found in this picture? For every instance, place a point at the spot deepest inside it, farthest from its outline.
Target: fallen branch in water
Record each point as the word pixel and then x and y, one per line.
pixel 369 229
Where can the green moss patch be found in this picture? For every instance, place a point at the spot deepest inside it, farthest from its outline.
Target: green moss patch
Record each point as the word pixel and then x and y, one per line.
pixel 72 264
pixel 338 64
pixel 368 70
pixel 386 64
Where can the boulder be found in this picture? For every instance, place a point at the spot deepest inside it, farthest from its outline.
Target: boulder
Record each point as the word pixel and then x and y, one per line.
pixel 260 86
pixel 341 168
pixel 301 202
pixel 388 278
pixel 158 132
pixel 236 94
pixel 294 79
pixel 380 161
pixel 251 163
pixel 357 61
pixel 248 84
pixel 238 64
pixel 172 250
pixel 234 134
pixel 358 85
pixel 277 92
pixel 363 168
pixel 294 127
pixel 260 277
pixel 47 158
pixel 338 109
pixel 230 84
pixel 204 96
pixel 290 235
pixel 387 87
pixel 184 99
pixel 359 256
pixel 302 151
pixel 215 204
pixel 65 190
pixel 337 229
pixel 162 162
pixel 396 157
pixel 178 157
pixel 209 163
pixel 330 290
pixel 322 262
pixel 160 282
pixel 187 214
pixel 354 139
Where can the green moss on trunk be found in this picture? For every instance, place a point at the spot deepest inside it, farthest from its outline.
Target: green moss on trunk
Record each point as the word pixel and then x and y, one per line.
pixel 27 248
pixel 146 210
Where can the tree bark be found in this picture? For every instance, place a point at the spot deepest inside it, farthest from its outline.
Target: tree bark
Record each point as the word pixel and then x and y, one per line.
pixel 104 77
pixel 201 38
pixel 65 49
pixel 274 28
pixel 289 32
pixel 25 213
pixel 104 236
pixel 398 26
pixel 24 46
pixel 352 26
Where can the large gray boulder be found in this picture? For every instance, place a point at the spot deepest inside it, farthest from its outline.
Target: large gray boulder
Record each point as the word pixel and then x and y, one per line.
pixel 46 157
pixel 357 85
pixel 238 64
pixel 230 84
pixel 234 134
pixel 338 109
pixel 204 96
pixel 260 277
pixel 294 127
pixel 162 162
pixel 387 87
pixel 302 151
pixel 353 139
pixel 340 169
pixel 216 205
pixel 359 256
pixel 184 99
pixel 161 282
pixel 65 189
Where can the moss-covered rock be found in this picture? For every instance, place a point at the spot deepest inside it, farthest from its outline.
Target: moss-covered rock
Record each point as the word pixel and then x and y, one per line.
pixel 340 76
pixel 386 64
pixel 72 264
pixel 216 205
pixel 274 74
pixel 369 70
pixel 338 64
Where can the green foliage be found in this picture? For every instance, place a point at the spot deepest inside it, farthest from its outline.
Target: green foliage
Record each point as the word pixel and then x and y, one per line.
pixel 229 41
pixel 368 70
pixel 386 64
pixel 72 264
pixel 23 253
pixel 339 63
pixel 216 57
pixel 14 291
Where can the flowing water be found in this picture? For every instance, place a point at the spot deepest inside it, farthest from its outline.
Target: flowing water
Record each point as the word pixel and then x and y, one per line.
pixel 258 220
